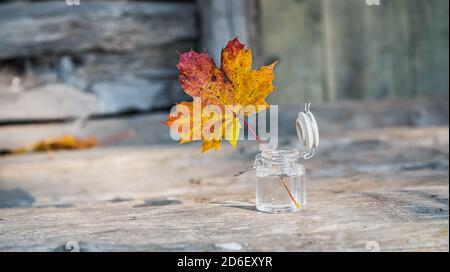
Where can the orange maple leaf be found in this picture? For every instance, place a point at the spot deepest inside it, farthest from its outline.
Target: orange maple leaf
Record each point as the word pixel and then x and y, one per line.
pixel 235 85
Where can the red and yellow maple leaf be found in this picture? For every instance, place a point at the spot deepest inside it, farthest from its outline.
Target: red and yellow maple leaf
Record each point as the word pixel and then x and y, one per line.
pixel 235 85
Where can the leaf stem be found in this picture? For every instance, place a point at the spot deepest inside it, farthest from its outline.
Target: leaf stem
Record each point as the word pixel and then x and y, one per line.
pixel 252 131
pixel 281 177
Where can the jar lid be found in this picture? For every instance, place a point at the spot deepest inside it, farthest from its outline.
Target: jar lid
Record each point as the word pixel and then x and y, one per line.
pixel 307 132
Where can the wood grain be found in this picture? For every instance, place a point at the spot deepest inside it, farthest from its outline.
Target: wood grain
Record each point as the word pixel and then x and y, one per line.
pixel 121 55
pixel 386 185
pixel 33 29
pixel 53 101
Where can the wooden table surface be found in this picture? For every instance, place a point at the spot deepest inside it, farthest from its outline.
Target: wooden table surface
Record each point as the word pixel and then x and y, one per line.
pixel 383 189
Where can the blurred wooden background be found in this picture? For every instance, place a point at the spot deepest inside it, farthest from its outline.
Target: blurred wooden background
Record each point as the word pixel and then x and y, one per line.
pixel 109 57
pixel 331 50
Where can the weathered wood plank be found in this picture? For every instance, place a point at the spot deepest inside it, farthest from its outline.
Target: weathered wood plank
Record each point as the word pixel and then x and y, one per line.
pixel 64 101
pixel 47 102
pixel 36 28
pixel 380 187
pixel 388 185
pixel 120 55
pixel 140 129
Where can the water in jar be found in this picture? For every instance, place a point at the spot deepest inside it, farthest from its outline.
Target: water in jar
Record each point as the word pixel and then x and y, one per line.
pixel 276 193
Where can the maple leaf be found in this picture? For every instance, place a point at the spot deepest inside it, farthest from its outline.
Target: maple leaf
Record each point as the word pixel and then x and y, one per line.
pixel 234 85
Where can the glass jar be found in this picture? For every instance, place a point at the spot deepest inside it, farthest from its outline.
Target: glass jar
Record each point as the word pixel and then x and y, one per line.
pixel 280 178
pixel 280 181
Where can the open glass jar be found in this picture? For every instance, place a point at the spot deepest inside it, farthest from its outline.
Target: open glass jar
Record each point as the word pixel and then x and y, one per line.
pixel 280 181
pixel 280 178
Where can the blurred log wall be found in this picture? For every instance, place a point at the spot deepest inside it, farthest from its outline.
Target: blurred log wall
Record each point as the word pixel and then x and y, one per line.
pixel 101 57
pixel 109 57
pixel 334 49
